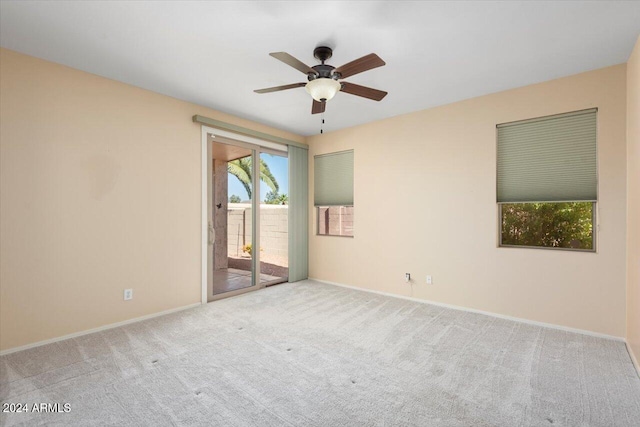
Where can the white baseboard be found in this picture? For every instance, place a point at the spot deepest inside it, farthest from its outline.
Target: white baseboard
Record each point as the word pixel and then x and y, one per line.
pixel 473 310
pixel 98 329
pixel 633 359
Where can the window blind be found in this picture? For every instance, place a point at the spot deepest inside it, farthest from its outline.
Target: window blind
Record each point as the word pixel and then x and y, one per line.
pixel 298 213
pixel 548 159
pixel 333 179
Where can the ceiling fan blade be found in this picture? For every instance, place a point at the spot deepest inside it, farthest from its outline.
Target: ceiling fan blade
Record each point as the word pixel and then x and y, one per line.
pixel 363 91
pixel 359 65
pixel 293 62
pixel 277 88
pixel 318 107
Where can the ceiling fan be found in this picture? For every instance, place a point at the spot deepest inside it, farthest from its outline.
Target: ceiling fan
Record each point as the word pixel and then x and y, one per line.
pixel 323 78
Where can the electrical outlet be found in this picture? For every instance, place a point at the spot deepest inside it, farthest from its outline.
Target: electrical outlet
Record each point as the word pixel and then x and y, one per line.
pixel 128 294
pixel 407 277
pixel 429 280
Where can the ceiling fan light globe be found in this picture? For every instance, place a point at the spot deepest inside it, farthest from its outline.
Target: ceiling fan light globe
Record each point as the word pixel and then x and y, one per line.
pixel 323 89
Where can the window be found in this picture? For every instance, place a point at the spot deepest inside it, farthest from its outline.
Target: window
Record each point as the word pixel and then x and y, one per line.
pixel 333 193
pixel 547 181
pixel 335 220
pixel 549 225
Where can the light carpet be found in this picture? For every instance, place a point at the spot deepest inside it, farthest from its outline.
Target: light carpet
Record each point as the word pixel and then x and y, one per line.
pixel 311 354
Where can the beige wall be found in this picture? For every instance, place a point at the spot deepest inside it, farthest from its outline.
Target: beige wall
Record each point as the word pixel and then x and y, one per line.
pixel 440 165
pixel 100 191
pixel 633 201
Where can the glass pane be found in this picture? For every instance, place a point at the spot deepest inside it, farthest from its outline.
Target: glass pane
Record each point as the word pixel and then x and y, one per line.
pixel 232 218
pixel 274 219
pixel 549 225
pixel 335 221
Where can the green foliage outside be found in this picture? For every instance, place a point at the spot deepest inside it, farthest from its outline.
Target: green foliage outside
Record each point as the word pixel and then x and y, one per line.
pixel 558 225
pixel 247 249
pixel 273 198
pixel 234 199
pixel 241 169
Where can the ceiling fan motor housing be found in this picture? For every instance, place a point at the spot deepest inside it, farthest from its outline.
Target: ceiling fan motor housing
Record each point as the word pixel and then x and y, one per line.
pixel 323 71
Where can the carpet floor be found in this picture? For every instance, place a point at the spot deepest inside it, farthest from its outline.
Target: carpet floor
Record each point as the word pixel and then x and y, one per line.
pixel 311 354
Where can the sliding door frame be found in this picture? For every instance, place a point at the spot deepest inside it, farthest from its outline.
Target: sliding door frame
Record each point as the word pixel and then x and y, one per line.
pixel 257 146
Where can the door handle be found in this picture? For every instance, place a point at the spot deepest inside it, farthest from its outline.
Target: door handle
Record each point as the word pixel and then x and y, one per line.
pixel 212 234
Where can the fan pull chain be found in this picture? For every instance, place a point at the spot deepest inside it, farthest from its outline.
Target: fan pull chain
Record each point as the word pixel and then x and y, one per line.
pixel 322 124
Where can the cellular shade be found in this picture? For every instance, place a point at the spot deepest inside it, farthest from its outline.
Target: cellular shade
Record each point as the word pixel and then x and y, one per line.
pixel 548 159
pixel 333 179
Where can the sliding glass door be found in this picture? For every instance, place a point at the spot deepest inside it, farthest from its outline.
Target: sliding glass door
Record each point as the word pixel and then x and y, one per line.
pixel 248 213
pixel 231 214
pixel 274 218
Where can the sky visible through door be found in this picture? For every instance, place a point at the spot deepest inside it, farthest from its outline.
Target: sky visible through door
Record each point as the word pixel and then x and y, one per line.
pixel 279 169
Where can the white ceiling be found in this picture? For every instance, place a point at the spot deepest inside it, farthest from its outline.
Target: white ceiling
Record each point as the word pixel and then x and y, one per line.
pixel 215 53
